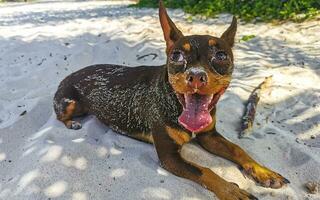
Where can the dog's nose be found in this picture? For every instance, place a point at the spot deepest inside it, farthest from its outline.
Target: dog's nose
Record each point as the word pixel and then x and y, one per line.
pixel 197 79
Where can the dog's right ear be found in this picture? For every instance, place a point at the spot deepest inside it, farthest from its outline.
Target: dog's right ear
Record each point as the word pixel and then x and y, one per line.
pixel 170 31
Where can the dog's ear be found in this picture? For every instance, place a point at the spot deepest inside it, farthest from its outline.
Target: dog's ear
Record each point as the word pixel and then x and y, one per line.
pixel 229 35
pixel 170 31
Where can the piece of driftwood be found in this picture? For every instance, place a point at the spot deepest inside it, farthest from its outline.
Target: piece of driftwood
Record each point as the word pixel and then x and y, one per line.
pixel 251 107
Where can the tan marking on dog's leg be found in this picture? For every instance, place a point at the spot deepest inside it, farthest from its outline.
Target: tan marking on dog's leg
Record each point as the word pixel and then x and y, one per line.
pixel 145 137
pixel 212 42
pixel 179 136
pixel 66 116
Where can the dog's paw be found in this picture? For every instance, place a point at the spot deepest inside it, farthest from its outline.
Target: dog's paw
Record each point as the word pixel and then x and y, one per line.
pixel 264 176
pixel 74 125
pixel 233 192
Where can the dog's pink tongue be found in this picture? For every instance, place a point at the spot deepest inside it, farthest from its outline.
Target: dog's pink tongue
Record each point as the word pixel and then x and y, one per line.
pixel 195 115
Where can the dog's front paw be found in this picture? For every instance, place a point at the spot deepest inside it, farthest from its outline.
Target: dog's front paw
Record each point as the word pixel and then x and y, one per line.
pixel 264 176
pixel 232 192
pixel 73 125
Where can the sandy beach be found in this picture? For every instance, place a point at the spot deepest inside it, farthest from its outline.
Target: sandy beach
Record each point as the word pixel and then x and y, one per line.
pixel 43 42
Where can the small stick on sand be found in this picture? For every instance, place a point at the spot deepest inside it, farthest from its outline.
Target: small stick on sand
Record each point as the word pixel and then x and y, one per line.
pixel 248 117
pixel 312 187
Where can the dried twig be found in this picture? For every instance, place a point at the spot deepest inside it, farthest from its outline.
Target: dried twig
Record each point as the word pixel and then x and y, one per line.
pixel 312 187
pixel 248 117
pixel 150 54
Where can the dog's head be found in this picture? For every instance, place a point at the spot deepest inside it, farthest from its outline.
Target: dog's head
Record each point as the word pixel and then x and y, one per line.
pixel 199 70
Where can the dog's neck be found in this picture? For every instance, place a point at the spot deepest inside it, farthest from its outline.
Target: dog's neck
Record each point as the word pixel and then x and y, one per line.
pixel 170 105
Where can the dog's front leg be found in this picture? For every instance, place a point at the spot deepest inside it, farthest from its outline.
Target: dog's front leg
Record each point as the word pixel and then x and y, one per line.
pixel 168 142
pixel 214 143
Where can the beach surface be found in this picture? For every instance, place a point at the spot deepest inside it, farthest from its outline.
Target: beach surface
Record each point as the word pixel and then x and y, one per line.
pixel 43 42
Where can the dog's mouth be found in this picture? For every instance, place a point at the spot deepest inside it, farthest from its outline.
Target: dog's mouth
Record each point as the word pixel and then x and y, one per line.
pixel 196 110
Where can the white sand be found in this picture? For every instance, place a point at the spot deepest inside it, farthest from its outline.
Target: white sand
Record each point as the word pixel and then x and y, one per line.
pixel 41 43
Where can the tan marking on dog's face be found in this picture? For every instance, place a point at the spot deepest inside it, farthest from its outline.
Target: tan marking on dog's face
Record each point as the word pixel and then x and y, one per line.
pixel 212 42
pixel 186 47
pixel 214 85
pixel 179 136
pixel 198 52
pixel 178 82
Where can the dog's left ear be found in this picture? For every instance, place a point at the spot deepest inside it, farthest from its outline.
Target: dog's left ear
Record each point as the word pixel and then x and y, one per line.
pixel 229 35
pixel 170 31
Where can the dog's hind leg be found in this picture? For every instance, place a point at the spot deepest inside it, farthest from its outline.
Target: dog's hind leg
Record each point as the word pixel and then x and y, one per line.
pixel 67 106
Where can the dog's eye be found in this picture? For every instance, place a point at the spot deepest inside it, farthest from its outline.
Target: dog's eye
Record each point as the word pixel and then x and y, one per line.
pixel 177 57
pixel 221 55
pixel 220 64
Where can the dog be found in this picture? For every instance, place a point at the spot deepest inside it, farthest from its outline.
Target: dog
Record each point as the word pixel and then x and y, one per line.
pixel 168 105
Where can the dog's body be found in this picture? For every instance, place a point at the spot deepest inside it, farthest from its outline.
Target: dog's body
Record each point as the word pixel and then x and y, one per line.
pixel 130 100
pixel 165 104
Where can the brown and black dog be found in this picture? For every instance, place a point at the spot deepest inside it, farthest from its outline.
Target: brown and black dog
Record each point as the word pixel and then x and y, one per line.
pixel 165 104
